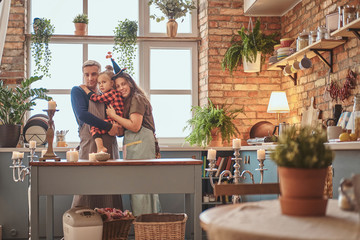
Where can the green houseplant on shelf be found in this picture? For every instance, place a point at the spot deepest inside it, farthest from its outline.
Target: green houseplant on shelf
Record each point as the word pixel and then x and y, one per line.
pixel 81 21
pixel 303 161
pixel 125 37
pixel 250 50
pixel 40 38
pixel 209 120
pixel 14 103
pixel 172 9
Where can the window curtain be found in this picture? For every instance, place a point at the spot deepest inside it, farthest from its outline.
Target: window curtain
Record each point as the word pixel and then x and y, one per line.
pixel 4 18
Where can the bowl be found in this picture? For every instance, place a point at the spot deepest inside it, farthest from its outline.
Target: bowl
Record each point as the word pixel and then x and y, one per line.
pixel 286 42
pixel 102 156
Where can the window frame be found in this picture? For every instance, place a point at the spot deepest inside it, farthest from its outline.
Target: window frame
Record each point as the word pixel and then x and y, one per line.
pixel 146 41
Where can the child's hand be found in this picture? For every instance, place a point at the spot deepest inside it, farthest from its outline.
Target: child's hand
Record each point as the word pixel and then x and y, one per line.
pixel 110 111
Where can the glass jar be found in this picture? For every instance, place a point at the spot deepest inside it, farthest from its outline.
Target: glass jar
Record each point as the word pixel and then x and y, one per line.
pixel 312 37
pixel 302 41
pixel 356 112
pixel 321 33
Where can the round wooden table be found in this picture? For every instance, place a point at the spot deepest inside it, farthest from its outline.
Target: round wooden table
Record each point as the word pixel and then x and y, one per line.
pixel 264 220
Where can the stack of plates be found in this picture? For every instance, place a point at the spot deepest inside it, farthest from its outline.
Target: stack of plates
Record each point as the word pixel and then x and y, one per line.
pixel 284 52
pixel 35 129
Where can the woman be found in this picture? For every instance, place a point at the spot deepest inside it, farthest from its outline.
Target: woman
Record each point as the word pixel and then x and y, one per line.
pixel 139 134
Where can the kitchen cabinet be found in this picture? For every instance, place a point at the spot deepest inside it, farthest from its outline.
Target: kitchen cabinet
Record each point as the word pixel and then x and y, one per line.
pixel 349 30
pixel 313 50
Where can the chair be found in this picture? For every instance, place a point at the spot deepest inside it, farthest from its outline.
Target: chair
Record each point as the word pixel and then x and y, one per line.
pixel 246 189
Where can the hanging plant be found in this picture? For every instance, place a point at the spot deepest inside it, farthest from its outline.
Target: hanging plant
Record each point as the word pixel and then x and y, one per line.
pixel 125 44
pixel 43 30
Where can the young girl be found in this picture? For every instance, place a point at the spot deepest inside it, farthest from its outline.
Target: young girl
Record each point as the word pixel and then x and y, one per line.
pixel 110 97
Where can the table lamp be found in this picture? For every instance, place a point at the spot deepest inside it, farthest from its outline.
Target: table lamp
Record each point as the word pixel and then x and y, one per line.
pixel 278 103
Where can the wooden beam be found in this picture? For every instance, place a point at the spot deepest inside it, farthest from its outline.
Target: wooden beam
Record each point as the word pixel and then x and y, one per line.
pixel 246 189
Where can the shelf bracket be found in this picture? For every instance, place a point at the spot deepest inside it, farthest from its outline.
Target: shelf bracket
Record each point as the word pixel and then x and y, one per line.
pixel 355 31
pixel 330 63
pixel 294 78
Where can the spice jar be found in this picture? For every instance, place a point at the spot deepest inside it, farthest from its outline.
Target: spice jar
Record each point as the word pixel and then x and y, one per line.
pixel 302 40
pixel 356 113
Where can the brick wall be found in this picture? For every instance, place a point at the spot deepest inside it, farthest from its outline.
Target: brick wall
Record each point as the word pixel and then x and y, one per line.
pixel 252 90
pixel 13 66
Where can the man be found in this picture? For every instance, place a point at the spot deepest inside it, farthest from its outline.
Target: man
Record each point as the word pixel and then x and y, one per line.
pixel 89 114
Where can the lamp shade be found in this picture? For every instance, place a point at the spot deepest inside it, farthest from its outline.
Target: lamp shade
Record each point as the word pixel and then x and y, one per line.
pixel 278 103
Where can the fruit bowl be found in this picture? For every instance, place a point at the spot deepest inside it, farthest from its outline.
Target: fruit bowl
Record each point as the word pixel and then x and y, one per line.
pixel 102 156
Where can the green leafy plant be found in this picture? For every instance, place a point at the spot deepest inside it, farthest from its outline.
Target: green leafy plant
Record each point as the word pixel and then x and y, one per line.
pixel 210 117
pixel 249 44
pixel 14 103
pixel 302 148
pixel 172 9
pixel 81 18
pixel 43 30
pixel 125 43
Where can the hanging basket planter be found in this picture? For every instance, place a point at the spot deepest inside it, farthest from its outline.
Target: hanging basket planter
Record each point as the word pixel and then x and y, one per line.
pixel 252 66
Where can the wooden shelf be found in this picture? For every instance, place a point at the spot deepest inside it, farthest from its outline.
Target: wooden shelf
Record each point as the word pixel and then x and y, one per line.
pixel 349 30
pixel 322 45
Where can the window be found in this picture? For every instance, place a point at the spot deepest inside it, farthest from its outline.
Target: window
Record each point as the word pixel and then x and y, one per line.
pixel 165 69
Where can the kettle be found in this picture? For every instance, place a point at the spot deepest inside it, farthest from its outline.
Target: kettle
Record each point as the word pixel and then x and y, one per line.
pixel 281 128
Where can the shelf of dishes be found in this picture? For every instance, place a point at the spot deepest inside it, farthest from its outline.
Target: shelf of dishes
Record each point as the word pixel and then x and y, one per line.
pixel 321 45
pixel 349 30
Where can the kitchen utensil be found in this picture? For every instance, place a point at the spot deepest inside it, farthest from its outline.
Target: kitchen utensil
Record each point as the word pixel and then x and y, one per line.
pixel 287 70
pixel 295 66
pixel 261 129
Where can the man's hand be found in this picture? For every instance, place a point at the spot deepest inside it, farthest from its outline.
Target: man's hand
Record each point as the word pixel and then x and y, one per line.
pixel 114 130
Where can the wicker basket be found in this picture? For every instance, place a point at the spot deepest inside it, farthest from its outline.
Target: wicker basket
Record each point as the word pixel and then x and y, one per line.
pixel 117 229
pixel 160 226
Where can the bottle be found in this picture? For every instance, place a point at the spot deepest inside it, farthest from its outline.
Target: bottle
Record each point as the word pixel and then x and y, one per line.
pixel 356 112
pixel 340 22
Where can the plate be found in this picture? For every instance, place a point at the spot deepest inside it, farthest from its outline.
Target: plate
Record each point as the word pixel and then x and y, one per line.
pixel 262 129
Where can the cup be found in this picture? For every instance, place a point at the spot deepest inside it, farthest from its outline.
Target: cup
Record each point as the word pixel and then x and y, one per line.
pixel 287 70
pixel 350 189
pixel 295 66
pixel 333 132
pixel 305 62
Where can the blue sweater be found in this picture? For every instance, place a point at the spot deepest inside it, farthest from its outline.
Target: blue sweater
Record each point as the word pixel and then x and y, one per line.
pixel 80 105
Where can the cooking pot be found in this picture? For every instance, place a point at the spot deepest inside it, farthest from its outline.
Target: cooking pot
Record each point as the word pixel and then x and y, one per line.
pixel 281 128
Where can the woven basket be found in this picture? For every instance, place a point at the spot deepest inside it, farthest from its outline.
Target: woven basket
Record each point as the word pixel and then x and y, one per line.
pixel 160 226
pixel 117 229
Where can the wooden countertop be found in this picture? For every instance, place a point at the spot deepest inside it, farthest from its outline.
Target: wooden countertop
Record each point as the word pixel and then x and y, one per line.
pixel 120 162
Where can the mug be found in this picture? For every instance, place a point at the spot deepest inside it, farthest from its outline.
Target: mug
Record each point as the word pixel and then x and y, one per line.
pixel 333 132
pixel 287 70
pixel 349 193
pixel 305 63
pixel 295 66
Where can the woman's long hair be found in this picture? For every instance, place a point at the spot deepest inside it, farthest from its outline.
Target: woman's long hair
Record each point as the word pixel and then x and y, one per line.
pixel 135 90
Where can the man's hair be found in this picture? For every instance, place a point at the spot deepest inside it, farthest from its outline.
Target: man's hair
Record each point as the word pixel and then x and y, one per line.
pixel 90 63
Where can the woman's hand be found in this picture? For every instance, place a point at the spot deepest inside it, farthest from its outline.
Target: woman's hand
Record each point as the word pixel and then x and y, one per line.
pixel 110 111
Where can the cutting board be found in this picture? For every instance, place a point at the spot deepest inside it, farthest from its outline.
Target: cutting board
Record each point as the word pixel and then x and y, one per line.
pixel 310 115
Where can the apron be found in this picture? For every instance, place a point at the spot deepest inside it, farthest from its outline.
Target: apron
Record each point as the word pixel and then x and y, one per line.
pixel 87 145
pixel 141 145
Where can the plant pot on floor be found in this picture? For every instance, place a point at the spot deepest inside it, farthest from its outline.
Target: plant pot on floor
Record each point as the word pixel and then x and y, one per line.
pixel 171 28
pixel 80 29
pixel 253 66
pixel 302 191
pixel 9 135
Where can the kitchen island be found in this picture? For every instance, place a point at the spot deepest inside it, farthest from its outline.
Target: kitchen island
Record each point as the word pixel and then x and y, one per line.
pixel 115 177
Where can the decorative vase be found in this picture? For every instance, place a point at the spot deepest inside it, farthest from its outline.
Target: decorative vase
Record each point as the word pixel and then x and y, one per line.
pixel 9 135
pixel 80 29
pixel 252 67
pixel 171 28
pixel 302 191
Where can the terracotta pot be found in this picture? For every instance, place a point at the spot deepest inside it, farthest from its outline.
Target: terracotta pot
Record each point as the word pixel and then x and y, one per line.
pixel 171 28
pixel 80 29
pixel 302 183
pixel 302 191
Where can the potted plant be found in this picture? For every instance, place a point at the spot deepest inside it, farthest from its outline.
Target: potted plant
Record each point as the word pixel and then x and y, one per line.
pixel 252 47
pixel 125 37
pixel 172 9
pixel 303 162
pixel 14 103
pixel 43 30
pixel 212 120
pixel 81 21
